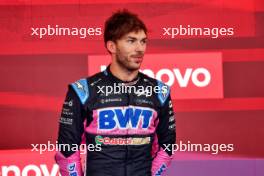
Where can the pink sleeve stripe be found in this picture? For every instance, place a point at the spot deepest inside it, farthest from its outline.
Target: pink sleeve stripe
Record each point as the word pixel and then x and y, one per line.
pixel 160 163
pixel 69 166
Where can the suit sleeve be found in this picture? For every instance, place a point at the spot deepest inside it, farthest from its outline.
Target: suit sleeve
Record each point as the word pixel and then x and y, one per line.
pixel 165 135
pixel 71 128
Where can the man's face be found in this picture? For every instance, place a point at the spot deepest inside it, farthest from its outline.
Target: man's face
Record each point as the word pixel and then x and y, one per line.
pixel 130 50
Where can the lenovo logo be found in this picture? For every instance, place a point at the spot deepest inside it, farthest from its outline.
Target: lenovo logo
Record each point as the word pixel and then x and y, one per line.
pixel 190 75
pixel 182 77
pixel 30 170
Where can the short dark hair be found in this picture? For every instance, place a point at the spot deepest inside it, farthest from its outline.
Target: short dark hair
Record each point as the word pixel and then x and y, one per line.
pixel 121 23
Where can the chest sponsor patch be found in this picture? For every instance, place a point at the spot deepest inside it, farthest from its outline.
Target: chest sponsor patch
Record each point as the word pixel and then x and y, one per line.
pixel 122 141
pixel 130 117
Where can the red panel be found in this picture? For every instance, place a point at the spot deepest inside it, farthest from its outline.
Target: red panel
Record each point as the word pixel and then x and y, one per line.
pixel 244 5
pixel 16 23
pixel 259 5
pixel 240 55
pixel 37 102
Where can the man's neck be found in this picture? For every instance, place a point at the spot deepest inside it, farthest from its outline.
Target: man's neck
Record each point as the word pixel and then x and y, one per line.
pixel 122 73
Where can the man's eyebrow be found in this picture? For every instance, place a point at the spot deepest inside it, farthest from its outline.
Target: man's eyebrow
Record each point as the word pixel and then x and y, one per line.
pixel 134 38
pixel 129 37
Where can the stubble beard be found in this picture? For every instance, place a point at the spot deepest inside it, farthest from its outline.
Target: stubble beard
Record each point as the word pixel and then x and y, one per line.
pixel 123 61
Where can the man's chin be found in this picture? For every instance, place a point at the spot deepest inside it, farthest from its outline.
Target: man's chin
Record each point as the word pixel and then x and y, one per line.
pixel 134 67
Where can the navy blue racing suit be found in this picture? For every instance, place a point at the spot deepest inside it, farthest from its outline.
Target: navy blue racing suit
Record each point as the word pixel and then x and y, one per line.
pixel 128 129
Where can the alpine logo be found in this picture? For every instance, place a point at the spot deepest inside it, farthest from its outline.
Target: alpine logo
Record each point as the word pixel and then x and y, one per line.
pixel 130 117
pixel 72 169
pixel 161 170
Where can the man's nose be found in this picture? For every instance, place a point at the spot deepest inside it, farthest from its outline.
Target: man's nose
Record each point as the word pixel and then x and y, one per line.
pixel 140 47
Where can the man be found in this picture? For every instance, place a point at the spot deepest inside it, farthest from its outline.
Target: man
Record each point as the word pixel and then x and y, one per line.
pixel 133 128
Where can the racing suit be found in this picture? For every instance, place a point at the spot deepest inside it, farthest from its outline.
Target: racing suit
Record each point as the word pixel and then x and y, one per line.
pixel 129 129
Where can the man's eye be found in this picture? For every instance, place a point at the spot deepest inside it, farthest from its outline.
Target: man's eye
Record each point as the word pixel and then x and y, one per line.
pixel 130 41
pixel 144 41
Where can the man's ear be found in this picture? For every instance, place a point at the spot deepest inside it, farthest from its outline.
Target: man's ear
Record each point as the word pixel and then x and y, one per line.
pixel 111 46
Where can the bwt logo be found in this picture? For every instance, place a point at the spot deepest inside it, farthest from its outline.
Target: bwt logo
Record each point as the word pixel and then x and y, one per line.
pixel 182 77
pixel 124 118
pixel 37 170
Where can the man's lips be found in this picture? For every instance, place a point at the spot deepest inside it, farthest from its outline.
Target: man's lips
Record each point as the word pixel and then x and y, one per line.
pixel 137 58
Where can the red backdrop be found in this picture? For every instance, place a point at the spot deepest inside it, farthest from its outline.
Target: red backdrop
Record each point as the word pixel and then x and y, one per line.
pixel 34 72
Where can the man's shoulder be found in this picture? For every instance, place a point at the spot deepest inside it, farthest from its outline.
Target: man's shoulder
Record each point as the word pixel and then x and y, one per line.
pixel 96 78
pixel 83 86
pixel 90 80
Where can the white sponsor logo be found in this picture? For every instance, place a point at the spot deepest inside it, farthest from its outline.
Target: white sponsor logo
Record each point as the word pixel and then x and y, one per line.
pixel 39 170
pixel 69 103
pixel 79 85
